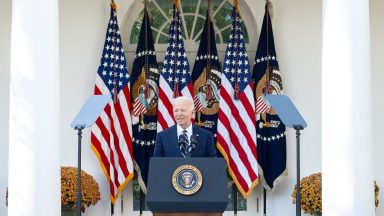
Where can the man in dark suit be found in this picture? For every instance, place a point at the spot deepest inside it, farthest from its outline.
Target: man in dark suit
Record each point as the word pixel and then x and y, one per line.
pixel 184 139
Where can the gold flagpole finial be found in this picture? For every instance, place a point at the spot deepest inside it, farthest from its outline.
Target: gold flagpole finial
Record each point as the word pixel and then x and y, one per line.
pixel 113 5
pixel 176 2
pixel 236 5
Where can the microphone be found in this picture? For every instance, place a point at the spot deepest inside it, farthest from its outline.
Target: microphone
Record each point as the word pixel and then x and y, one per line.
pixel 193 142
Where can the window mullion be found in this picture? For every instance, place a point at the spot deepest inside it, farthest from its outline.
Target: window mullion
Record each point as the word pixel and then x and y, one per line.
pixel 194 20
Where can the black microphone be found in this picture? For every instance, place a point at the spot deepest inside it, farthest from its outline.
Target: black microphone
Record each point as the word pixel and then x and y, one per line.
pixel 193 142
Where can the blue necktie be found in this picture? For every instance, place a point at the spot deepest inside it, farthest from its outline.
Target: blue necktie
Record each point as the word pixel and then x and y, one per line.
pixel 184 144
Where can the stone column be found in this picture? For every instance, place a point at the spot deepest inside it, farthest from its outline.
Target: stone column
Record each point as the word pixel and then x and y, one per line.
pixel 5 54
pixel 346 109
pixel 34 149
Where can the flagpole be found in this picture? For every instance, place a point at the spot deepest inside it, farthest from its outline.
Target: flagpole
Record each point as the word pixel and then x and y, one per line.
pixel 113 5
pixel 208 95
pixel 234 195
pixel 237 91
pixel 268 71
pixel 122 203
pixel 146 75
pixel 142 202
pixel 265 202
pixel 268 90
pixel 175 84
pixel 146 66
pixel 112 209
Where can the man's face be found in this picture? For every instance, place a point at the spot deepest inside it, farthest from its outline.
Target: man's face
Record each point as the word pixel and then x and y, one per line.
pixel 183 112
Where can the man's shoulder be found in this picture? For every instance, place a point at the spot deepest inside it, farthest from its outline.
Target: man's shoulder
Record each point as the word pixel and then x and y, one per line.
pixel 167 131
pixel 202 131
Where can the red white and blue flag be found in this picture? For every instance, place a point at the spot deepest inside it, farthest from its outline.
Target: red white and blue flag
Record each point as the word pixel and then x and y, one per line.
pixel 175 78
pixel 111 135
pixel 236 127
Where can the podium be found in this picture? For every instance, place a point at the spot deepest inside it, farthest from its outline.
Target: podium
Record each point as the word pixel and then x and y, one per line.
pixel 163 197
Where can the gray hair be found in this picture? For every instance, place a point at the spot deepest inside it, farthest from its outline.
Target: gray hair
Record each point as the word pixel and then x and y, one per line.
pixel 184 99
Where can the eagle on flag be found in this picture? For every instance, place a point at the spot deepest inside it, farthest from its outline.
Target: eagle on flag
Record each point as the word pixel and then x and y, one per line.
pixel 271 140
pixel 144 91
pixel 206 78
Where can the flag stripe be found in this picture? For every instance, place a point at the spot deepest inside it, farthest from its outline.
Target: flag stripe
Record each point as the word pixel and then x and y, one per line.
pixel 224 149
pixel 165 114
pixel 106 165
pixel 243 114
pixel 122 108
pixel 103 158
pixel 239 133
pixel 236 153
pixel 109 135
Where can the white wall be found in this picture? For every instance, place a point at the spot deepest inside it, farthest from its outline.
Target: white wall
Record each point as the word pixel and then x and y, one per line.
pixel 377 53
pixel 5 48
pixel 82 28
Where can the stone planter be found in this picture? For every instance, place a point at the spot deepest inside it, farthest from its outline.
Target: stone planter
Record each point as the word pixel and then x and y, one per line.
pixel 68 212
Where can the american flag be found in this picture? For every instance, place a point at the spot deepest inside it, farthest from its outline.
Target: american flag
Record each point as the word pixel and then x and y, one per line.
pixel 111 136
pixel 236 127
pixel 175 78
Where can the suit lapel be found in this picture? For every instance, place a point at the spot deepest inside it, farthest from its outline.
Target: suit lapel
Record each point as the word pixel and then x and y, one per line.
pixel 197 136
pixel 175 140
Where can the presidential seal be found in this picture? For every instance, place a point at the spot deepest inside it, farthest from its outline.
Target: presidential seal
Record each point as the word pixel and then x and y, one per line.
pixel 187 179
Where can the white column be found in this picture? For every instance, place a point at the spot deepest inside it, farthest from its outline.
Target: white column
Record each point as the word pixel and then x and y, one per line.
pixel 34 159
pixel 346 106
pixel 5 54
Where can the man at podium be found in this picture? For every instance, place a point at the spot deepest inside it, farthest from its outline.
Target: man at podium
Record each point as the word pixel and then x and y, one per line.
pixel 184 139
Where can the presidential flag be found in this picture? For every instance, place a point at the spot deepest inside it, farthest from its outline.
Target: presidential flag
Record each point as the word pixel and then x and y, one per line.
pixel 144 92
pixel 236 129
pixel 206 78
pixel 271 142
pixel 111 135
pixel 175 78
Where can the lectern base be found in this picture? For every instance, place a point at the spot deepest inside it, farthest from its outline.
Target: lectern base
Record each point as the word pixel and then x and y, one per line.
pixel 188 214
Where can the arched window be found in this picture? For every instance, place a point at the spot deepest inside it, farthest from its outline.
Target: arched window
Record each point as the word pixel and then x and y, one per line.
pixel 192 15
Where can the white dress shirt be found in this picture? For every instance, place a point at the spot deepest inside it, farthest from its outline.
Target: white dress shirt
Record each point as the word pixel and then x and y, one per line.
pixel 188 129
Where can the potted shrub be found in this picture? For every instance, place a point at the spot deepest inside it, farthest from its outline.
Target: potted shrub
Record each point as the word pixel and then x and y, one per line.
pixel 90 193
pixel 310 191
